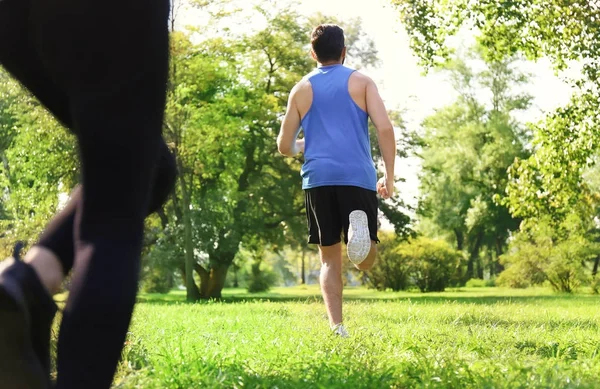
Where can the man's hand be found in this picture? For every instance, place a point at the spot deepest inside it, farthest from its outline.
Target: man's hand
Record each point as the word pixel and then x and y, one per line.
pixel 385 187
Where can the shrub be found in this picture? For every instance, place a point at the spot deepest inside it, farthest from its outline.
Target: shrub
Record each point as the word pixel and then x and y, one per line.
pixel 476 283
pixel 595 285
pixel 391 270
pixel 432 263
pixel 513 277
pixel 157 280
pixel 542 253
pixel 429 264
pixel 260 280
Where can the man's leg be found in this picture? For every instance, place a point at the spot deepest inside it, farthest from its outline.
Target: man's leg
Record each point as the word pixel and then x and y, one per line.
pixel 117 90
pixel 325 229
pixel 368 263
pixel 26 309
pixel 56 242
pixel 53 255
pixel 331 281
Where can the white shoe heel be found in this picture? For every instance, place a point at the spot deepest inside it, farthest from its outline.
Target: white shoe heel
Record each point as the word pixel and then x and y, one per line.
pixel 359 239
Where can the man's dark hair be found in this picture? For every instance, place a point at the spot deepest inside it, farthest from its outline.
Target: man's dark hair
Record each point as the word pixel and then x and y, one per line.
pixel 328 42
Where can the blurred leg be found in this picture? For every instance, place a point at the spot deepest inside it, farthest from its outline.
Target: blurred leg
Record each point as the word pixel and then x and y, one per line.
pixel 112 58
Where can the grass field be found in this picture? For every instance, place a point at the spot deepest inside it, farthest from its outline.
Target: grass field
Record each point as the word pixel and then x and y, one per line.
pixel 468 338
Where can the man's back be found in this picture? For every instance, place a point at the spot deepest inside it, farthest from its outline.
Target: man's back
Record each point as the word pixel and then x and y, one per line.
pixel 332 104
pixel 357 87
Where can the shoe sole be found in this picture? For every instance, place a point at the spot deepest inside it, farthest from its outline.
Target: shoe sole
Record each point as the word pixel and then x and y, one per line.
pixel 19 366
pixel 359 243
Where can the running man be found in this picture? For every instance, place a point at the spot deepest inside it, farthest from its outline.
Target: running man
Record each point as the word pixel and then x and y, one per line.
pixel 332 106
pixel 101 68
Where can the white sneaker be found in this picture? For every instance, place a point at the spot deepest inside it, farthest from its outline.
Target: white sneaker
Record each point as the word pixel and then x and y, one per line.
pixel 359 239
pixel 340 330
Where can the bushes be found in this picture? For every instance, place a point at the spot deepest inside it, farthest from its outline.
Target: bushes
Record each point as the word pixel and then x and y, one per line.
pixel 390 271
pixel 260 279
pixel 425 263
pixel 157 281
pixel 479 283
pixel 431 263
pixel 540 254
pixel 261 282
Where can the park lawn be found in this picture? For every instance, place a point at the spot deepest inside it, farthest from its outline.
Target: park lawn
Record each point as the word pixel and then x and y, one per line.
pixel 466 338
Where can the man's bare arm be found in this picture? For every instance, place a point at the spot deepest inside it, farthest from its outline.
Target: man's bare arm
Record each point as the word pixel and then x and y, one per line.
pixel 287 142
pixel 385 135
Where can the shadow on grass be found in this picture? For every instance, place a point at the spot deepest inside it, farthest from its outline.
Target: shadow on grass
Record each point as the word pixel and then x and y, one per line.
pixel 415 298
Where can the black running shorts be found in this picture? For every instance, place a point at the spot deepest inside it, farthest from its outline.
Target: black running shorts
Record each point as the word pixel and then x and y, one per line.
pixel 328 209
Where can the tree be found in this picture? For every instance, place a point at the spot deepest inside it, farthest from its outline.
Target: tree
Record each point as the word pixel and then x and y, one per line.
pixel 467 149
pixel 550 182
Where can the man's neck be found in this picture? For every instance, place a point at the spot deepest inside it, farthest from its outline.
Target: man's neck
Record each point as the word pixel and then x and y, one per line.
pixel 329 63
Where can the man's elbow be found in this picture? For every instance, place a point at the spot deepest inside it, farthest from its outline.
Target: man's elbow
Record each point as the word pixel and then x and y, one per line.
pixel 386 130
pixel 283 148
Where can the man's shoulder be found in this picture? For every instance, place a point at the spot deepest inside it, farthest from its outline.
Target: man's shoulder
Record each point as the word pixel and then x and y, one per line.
pixel 361 77
pixel 302 86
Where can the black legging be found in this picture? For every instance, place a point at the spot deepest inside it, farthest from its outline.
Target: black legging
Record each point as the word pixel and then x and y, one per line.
pixel 101 68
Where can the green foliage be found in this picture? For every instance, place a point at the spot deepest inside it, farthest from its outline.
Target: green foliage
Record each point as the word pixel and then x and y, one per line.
pixel 432 263
pixel 476 283
pixel 156 280
pixel 595 285
pixel 428 264
pixel 467 149
pixel 261 281
pixel 391 271
pixel 38 164
pixel 549 182
pixel 561 30
pixel 161 257
pixel 261 277
pixel 540 253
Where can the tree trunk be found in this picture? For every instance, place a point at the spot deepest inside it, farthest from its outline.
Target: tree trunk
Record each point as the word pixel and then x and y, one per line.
pixel 236 283
pixel 473 256
pixel 216 282
pixel 190 284
pixel 184 279
pixel 480 267
pixel 492 258
pixel 499 268
pixel 460 239
pixel 596 263
pixel 303 280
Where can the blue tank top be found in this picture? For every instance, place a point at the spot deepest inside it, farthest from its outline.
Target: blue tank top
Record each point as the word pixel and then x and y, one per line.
pixel 337 149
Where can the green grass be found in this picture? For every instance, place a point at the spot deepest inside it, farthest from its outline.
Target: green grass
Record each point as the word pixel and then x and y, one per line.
pixel 468 338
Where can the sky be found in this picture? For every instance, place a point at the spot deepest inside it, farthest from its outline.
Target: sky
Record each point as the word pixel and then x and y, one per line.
pixel 401 82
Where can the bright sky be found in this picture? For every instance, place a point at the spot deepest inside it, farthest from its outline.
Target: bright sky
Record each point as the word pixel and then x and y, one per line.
pixel 399 78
